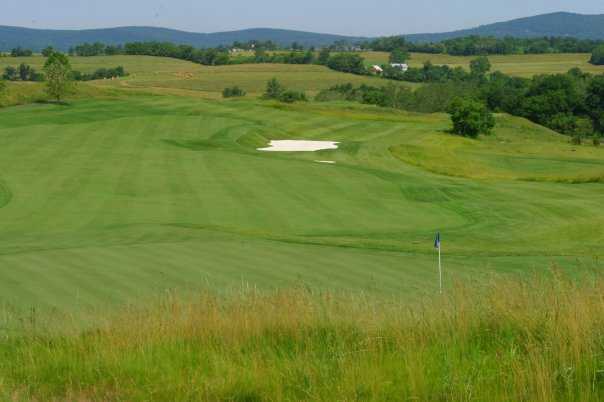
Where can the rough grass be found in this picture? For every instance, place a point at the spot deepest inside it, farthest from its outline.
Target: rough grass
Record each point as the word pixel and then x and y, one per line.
pixel 517 150
pixel 535 339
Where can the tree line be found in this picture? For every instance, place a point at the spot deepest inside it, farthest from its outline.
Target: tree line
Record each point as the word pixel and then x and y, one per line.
pixel 485 45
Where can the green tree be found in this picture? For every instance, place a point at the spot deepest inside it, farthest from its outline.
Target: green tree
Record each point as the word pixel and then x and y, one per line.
pixel 470 118
pixel 324 55
pixel 274 89
pixel 10 74
pixel 480 66
pixel 25 72
pixel 48 51
pixel 399 56
pixel 260 55
pixel 348 63
pixel 595 102
pixel 58 76
pixel 597 57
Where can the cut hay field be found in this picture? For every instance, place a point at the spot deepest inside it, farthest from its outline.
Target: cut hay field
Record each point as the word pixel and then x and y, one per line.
pixel 165 75
pixel 113 201
pixel 518 65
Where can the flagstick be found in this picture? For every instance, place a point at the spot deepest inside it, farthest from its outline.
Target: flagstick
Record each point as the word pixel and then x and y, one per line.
pixel 440 271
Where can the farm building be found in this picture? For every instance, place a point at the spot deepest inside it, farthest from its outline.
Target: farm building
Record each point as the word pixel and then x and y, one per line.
pixel 377 69
pixel 400 66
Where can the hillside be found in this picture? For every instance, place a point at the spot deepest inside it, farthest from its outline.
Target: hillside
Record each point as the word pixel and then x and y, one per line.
pixel 38 39
pixel 555 24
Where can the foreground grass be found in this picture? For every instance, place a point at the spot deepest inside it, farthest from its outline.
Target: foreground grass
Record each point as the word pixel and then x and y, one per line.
pixel 540 339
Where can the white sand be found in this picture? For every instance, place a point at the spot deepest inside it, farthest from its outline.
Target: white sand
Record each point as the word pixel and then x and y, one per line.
pixel 299 146
pixel 328 162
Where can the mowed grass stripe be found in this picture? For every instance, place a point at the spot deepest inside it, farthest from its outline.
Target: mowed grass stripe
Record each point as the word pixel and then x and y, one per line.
pixel 151 193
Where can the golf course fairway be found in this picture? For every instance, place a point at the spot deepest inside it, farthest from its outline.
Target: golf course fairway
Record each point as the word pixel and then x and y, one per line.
pixel 108 201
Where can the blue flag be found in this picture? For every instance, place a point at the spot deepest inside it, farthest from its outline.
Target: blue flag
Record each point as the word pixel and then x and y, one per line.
pixel 437 241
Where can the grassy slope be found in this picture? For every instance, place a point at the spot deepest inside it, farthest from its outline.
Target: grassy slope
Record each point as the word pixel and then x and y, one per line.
pixel 108 201
pixel 518 65
pixel 182 77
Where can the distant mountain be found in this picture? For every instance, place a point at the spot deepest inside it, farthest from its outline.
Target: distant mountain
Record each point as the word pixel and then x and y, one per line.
pixel 556 24
pixel 37 39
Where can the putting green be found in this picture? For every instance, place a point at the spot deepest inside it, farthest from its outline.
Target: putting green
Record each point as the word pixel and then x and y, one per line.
pixel 110 201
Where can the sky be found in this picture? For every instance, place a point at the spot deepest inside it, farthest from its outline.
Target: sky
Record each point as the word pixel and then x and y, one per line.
pixel 347 17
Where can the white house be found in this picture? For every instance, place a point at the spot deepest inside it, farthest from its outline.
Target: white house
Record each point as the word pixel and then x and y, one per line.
pixel 401 66
pixel 377 69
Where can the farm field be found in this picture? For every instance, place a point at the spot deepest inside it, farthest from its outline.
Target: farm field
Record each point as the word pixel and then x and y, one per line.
pixel 165 75
pixel 517 65
pixel 112 201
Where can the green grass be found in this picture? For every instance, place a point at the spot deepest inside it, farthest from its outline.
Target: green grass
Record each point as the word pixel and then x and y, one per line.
pixel 538 339
pixel 517 65
pixel 111 201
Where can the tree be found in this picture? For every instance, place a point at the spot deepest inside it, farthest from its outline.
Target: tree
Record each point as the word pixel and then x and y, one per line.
pixel 25 72
pixel 10 74
pixel 595 102
pixel 348 63
pixel 471 118
pixel 58 76
pixel 48 51
pixel 274 89
pixel 399 56
pixel 324 55
pixel 597 57
pixel 260 55
pixel 20 52
pixel 480 66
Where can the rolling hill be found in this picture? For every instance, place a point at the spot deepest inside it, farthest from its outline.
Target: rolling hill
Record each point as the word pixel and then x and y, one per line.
pixel 37 39
pixel 556 24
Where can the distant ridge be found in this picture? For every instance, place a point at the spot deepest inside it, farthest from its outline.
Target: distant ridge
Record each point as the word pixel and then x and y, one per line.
pixel 563 24
pixel 37 39
pixel 555 24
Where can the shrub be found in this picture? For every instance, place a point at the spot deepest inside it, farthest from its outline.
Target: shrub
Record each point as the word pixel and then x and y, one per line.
pixel 471 118
pixel 290 96
pixel 99 74
pixel 274 89
pixel 233 92
pixel 596 141
pixel 576 140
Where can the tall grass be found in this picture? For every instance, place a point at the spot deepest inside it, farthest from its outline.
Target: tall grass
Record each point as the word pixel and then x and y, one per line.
pixel 540 339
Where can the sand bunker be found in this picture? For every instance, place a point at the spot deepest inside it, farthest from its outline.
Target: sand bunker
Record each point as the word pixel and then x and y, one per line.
pixel 299 146
pixel 328 162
